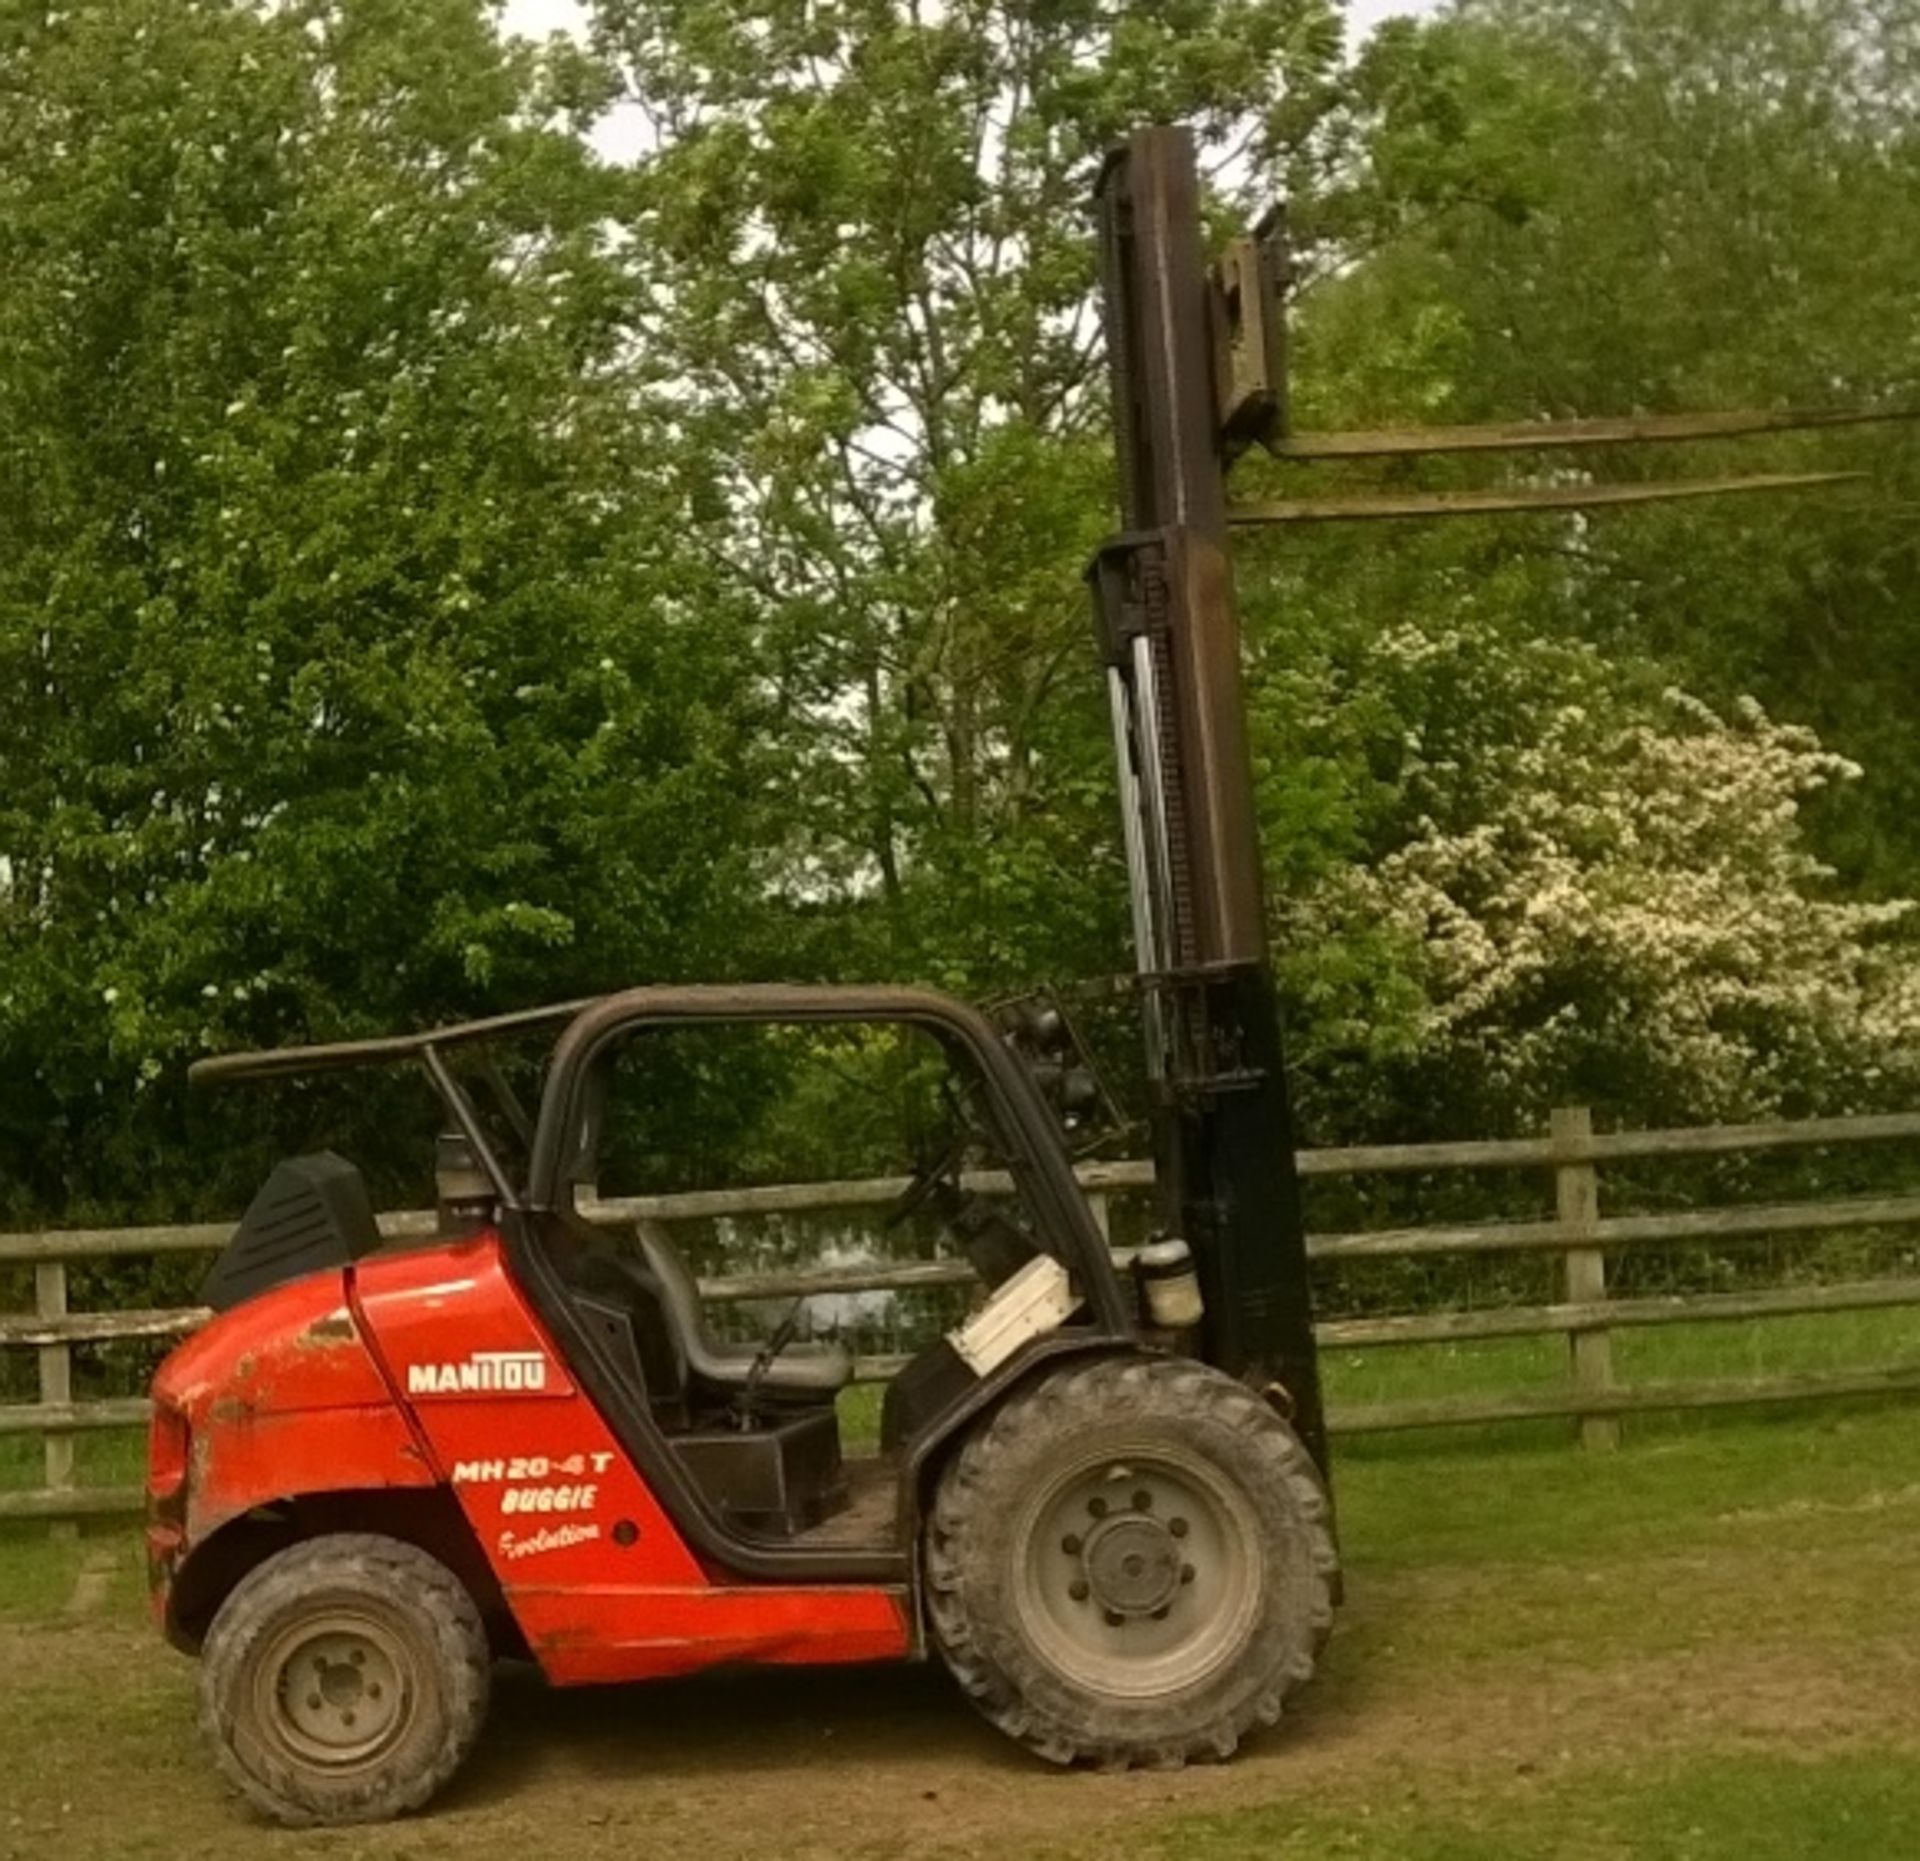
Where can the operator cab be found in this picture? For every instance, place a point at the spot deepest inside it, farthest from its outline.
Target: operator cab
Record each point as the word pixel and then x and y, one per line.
pixel 755 1413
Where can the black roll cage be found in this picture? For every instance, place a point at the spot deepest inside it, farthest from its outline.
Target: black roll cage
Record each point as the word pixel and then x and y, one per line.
pixel 591 1027
pixel 430 1049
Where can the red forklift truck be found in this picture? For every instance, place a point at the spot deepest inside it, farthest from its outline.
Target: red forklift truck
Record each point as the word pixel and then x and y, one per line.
pixel 381 1466
pixel 1102 1500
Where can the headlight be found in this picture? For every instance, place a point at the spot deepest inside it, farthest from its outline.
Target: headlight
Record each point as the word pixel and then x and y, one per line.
pixel 168 1439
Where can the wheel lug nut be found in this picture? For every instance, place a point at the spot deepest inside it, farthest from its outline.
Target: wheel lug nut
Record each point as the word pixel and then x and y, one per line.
pixel 358 1657
pixel 1186 1573
pixel 1114 1618
pixel 1161 1614
pixel 1097 1506
pixel 1143 1501
pixel 1077 1589
pixel 346 1718
pixel 373 1690
pixel 1178 1527
pixel 313 1702
pixel 1070 1544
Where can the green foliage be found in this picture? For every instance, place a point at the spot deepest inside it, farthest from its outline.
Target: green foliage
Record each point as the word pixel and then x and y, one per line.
pixel 869 283
pixel 354 673
pixel 1538 208
pixel 442 570
pixel 1647 205
pixel 762 1104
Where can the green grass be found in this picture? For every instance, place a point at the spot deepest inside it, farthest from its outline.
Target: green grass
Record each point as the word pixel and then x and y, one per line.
pixel 1807 1341
pixel 1705 1645
pixel 860 1414
pixel 40 1567
pixel 1735 1348
pixel 103 1457
pixel 1717 1804
pixel 1508 1496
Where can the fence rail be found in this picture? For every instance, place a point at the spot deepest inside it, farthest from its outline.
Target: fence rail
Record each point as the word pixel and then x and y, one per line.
pixel 1571 1154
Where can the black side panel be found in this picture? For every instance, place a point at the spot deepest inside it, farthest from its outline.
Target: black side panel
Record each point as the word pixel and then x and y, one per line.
pixel 776 1480
pixel 923 1390
pixel 310 1214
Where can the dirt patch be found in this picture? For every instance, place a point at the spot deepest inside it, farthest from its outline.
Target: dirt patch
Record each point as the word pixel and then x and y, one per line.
pixel 1879 1499
pixel 1425 1695
pixel 93 1582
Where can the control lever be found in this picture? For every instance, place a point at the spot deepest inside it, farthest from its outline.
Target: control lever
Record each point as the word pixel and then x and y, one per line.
pixel 777 1341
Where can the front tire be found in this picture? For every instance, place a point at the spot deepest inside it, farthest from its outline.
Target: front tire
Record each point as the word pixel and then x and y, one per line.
pixel 1130 1564
pixel 345 1679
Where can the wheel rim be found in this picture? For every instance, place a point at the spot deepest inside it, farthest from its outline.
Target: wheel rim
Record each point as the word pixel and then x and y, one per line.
pixel 339 1691
pixel 1138 1573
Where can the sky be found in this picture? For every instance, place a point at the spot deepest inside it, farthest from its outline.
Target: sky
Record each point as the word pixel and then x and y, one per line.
pixel 1364 15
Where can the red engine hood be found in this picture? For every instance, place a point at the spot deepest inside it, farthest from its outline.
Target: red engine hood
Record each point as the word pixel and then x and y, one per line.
pixel 296 1347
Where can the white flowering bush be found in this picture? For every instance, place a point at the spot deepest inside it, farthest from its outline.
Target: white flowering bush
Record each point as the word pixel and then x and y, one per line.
pixel 1605 906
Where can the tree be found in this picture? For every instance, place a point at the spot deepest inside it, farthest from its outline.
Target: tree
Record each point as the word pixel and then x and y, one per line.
pixel 354 672
pixel 440 571
pixel 1541 209
pixel 1593 905
pixel 865 231
pixel 1552 207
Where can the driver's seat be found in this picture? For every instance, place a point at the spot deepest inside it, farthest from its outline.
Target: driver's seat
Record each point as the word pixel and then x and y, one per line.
pixel 800 1373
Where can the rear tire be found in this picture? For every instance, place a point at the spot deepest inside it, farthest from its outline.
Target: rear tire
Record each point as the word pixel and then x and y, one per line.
pixel 1130 1564
pixel 344 1680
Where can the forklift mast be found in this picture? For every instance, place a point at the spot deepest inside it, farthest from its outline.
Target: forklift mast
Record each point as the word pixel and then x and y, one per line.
pixel 1189 364
pixel 1199 374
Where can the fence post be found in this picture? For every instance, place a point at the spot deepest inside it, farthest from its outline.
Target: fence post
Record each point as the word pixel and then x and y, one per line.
pixel 1102 1215
pixel 1576 1185
pixel 56 1378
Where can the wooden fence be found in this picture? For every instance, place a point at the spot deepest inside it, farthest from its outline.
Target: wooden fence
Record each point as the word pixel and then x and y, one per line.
pixel 1571 1154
